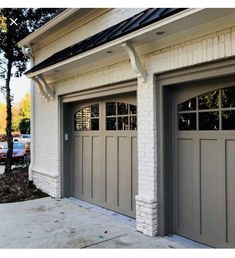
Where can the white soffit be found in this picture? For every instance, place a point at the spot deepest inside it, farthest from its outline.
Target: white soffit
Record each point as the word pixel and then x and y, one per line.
pixel 184 21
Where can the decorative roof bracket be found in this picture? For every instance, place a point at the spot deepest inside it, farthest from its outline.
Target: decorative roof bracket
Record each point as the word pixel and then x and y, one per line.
pixel 42 91
pixel 135 61
pixel 44 88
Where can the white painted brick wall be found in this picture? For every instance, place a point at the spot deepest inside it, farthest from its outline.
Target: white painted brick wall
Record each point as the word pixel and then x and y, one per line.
pixel 220 44
pixel 111 74
pixel 46 163
pixel 188 53
pixel 146 216
pixel 48 184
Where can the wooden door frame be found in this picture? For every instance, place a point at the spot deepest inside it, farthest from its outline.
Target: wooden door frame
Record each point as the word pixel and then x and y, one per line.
pixel 164 83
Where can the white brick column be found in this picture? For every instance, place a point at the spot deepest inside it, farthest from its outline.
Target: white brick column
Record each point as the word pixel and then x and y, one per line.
pixel 146 200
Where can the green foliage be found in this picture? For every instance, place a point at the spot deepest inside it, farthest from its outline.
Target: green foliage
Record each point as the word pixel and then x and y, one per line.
pixel 23 120
pixel 11 56
pixel 25 107
pixel 24 126
pixel 20 111
pixel 28 20
pixel 2 118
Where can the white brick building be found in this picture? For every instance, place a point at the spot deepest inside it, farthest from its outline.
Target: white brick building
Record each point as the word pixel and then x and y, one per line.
pixel 177 68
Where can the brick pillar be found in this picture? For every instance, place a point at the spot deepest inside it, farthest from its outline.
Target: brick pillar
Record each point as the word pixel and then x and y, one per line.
pixel 146 200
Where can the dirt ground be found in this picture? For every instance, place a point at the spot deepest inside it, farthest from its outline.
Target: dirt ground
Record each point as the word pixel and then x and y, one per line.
pixel 16 187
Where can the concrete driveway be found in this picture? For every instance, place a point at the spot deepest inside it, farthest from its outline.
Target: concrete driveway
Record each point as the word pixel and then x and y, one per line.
pixel 50 223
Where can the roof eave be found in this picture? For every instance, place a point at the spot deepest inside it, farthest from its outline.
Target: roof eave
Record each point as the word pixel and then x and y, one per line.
pixel 118 41
pixel 25 42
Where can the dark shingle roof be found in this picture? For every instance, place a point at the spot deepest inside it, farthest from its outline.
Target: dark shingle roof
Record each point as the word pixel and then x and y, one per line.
pixel 125 27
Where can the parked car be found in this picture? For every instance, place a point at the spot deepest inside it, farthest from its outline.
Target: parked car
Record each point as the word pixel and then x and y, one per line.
pixel 21 153
pixel 22 138
pixel 2 144
pixel 3 153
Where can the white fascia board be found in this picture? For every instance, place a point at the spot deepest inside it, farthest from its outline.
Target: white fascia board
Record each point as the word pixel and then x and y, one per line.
pixel 120 40
pixel 25 42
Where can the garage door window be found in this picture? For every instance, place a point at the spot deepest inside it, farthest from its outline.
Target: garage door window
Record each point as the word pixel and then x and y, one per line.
pixel 228 108
pixel 214 110
pixel 87 119
pixel 121 116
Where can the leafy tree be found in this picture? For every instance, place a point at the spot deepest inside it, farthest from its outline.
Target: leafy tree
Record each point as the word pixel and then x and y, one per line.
pixel 2 118
pixel 24 125
pixel 20 111
pixel 24 105
pixel 23 117
pixel 28 20
pixel 15 117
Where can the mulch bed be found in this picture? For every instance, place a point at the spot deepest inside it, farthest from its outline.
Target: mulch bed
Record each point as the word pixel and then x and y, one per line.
pixel 16 188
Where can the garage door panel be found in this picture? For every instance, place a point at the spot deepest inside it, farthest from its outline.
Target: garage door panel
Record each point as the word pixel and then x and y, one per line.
pixel 77 178
pixel 230 183
pixel 210 185
pixel 105 173
pixel 86 167
pixel 203 164
pixel 97 170
pixel 111 171
pixel 134 172
pixel 124 173
pixel 185 179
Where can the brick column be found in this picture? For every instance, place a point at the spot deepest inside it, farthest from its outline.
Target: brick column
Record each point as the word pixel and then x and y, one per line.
pixel 146 200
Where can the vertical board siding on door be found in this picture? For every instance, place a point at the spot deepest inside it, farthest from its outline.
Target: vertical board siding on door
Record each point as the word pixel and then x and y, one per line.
pixel 112 184
pixel 86 166
pixel 77 159
pixel 124 173
pixel 134 169
pixel 203 177
pixel 210 189
pixel 96 159
pixel 185 179
pixel 121 173
pixel 230 183
pixel 111 166
pixel 105 164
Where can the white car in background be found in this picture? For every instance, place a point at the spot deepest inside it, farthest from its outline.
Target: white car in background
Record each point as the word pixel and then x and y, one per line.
pixel 22 138
pixel 2 145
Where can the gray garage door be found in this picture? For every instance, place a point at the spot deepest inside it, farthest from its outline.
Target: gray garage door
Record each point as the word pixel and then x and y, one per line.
pixel 105 153
pixel 203 164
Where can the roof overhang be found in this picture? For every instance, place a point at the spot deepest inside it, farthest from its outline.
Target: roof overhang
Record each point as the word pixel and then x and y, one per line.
pixel 184 21
pixel 58 22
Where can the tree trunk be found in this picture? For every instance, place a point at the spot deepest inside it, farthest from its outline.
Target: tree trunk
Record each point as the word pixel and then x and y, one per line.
pixel 9 120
